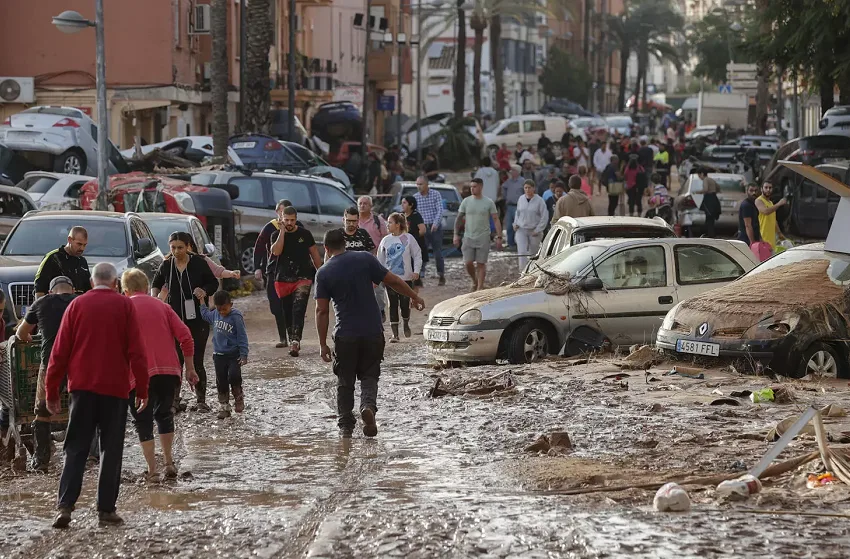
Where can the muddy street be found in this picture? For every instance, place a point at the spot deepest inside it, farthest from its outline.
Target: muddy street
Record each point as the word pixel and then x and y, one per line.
pixel 448 476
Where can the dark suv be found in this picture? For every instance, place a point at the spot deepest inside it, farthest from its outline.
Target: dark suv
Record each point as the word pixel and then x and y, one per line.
pixel 122 239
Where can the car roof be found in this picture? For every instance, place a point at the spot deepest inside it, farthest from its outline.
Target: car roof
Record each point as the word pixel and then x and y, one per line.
pixel 437 185
pixel 597 221
pixel 156 216
pixel 15 190
pixel 58 176
pixel 620 243
pixel 723 176
pixel 82 215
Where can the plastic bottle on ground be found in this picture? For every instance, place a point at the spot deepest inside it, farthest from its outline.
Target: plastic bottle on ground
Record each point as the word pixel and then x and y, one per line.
pixel 671 498
pixel 744 486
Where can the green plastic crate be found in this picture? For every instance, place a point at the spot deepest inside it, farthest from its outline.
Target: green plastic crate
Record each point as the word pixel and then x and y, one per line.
pixel 25 362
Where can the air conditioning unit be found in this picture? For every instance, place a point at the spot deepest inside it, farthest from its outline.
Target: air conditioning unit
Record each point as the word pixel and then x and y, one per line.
pixel 17 90
pixel 202 23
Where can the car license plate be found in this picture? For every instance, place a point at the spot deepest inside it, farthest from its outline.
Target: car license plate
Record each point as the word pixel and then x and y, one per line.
pixel 438 335
pixel 727 203
pixel 244 145
pixel 698 348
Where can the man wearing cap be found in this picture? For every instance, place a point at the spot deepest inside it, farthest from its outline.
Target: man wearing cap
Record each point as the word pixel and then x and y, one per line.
pixel 66 261
pixel 46 313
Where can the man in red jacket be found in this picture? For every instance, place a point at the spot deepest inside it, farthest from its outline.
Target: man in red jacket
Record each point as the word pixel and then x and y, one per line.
pixel 99 344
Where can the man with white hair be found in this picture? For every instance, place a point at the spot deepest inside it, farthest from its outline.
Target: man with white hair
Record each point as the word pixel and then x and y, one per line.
pixel 99 345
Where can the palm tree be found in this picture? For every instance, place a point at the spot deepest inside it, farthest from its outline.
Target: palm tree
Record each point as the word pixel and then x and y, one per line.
pixel 623 34
pixel 460 66
pixel 257 89
pixel 478 23
pixel 218 77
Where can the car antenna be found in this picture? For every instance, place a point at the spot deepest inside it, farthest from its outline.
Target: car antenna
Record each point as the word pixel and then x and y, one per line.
pixel 593 264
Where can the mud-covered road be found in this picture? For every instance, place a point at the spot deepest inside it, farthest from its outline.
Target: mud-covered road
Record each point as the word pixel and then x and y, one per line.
pixel 446 477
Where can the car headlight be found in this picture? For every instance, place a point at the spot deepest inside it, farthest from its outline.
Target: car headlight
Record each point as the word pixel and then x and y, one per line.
pixel 470 318
pixel 184 202
pixel 669 319
pixel 772 328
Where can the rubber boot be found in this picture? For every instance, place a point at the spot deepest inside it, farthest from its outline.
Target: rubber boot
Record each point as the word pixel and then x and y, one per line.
pixel 238 399
pixel 394 327
pixel 407 331
pixel 41 440
pixel 224 402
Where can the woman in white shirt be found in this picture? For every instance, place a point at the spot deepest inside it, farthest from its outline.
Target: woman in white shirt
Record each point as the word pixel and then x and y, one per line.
pixel 400 254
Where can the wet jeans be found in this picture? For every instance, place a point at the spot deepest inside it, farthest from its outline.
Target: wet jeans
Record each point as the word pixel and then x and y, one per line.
pixel 294 308
pixel 276 309
pixel 357 358
pixel 228 372
pixel 90 411
pixel 434 241
pixel 397 301
pixel 200 330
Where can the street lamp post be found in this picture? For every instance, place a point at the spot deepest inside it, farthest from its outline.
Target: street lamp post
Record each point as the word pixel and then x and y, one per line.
pixel 72 22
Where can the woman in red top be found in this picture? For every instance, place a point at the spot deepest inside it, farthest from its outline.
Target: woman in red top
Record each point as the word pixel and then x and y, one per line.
pixel 503 158
pixel 159 326
pixel 630 174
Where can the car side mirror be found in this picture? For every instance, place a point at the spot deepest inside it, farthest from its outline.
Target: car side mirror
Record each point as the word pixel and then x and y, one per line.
pixel 144 247
pixel 592 284
pixel 209 249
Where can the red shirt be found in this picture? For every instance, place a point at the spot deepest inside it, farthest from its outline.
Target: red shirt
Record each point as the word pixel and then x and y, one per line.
pixel 503 158
pixel 99 343
pixel 160 325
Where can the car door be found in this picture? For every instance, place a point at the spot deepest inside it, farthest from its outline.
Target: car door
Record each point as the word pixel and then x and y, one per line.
pixel 531 130
pixel 510 134
pixel 638 292
pixel 253 209
pixel 699 268
pixel 301 194
pixel 148 262
pixel 70 196
pixel 332 204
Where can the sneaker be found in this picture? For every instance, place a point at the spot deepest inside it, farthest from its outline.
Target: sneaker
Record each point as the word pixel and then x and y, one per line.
pixel 370 428
pixel 109 518
pixel 394 340
pixel 203 407
pixel 407 332
pixel 62 519
pixel 224 412
pixel 170 471
pixel 281 344
pixel 346 432
pixel 295 349
pixel 442 280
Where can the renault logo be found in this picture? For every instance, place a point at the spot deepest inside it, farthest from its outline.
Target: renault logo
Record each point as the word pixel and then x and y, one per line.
pixel 703 329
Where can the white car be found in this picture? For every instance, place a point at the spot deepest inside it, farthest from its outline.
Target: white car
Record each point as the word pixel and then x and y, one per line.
pixel 620 124
pixel 606 292
pixel 60 139
pixel 193 148
pixel 525 129
pixel 54 191
pixel 835 121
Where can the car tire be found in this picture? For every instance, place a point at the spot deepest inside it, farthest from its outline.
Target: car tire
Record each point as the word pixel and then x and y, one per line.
pixel 821 360
pixel 529 341
pixel 71 162
pixel 246 255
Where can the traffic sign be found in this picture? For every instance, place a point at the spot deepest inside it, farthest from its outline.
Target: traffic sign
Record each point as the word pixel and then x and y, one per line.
pixel 725 88
pixel 386 103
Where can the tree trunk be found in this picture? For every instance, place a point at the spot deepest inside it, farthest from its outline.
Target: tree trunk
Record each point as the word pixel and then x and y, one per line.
pixel 762 75
pixel 625 53
pixel 496 66
pixel 644 58
pixel 638 88
pixel 478 25
pixel 218 77
pixel 258 92
pixel 460 66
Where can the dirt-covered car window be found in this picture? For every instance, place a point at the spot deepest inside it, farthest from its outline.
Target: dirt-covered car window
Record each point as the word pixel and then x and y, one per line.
pixel 634 268
pixel 573 260
pixel 704 264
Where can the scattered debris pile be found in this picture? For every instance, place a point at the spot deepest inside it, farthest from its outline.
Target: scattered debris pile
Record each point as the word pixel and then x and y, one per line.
pixel 640 358
pixel 497 385
pixel 555 443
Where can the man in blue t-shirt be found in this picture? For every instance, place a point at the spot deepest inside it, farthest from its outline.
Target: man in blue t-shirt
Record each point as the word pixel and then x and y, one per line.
pixel 347 279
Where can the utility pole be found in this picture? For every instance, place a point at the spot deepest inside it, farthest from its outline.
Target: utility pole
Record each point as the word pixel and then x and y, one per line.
pixel 418 85
pixel 398 71
pixel 523 91
pixel 363 150
pixel 102 109
pixel 780 105
pixel 292 74
pixel 243 61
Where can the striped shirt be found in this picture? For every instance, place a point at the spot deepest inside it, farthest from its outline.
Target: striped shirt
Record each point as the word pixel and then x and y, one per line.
pixel 430 206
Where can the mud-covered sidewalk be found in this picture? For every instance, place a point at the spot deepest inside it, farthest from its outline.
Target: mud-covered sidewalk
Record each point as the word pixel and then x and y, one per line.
pixel 449 476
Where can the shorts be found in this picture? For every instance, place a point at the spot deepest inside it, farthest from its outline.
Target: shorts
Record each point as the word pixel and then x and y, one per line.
pixel 475 250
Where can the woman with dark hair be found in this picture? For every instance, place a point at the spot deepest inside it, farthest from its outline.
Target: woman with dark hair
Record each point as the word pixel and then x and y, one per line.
pixel 416 227
pixel 185 281
pixel 219 271
pixel 631 174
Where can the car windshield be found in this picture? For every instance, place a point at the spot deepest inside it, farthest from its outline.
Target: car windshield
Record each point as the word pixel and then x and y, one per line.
pixel 163 228
pixel 37 237
pixel 260 152
pixel 619 121
pixel 724 184
pixel 38 186
pixel 574 259
pixel 585 235
pixel 493 127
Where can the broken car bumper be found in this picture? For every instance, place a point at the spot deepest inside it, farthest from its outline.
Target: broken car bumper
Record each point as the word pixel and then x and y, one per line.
pixel 453 344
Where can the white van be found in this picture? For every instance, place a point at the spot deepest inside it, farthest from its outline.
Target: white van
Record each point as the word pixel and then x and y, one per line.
pixel 525 129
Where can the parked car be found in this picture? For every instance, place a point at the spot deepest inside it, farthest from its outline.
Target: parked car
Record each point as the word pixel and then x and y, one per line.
pixel 589 127
pixel 193 148
pixel 122 239
pixel 54 190
pixel 620 124
pixel 60 139
pixel 707 131
pixel 340 156
pixel 14 204
pixel 790 313
pixel 723 157
pixel 772 142
pixel 570 231
pixel 731 191
pixel 811 150
pixel 13 166
pixel 320 203
pixel 279 128
pixel 609 291
pixel 163 225
pixel 451 203
pixel 524 128
pixel 835 121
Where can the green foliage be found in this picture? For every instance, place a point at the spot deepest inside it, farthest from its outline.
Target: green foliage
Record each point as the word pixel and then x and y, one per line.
pixel 712 41
pixel 458 148
pixel 566 76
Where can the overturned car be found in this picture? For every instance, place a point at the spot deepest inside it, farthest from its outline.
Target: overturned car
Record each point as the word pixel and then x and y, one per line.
pixel 792 314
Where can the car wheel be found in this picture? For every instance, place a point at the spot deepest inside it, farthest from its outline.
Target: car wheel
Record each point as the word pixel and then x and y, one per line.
pixel 529 342
pixel 821 360
pixel 69 162
pixel 246 258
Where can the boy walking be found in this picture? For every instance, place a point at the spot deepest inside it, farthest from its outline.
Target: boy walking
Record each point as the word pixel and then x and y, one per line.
pixel 230 351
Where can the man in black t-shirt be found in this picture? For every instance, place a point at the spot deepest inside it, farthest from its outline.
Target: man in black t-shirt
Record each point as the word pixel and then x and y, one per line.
pixel 66 261
pixel 297 262
pixel 357 239
pixel 46 313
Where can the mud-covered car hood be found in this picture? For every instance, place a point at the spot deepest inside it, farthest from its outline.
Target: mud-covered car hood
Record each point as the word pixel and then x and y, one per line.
pixel 490 301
